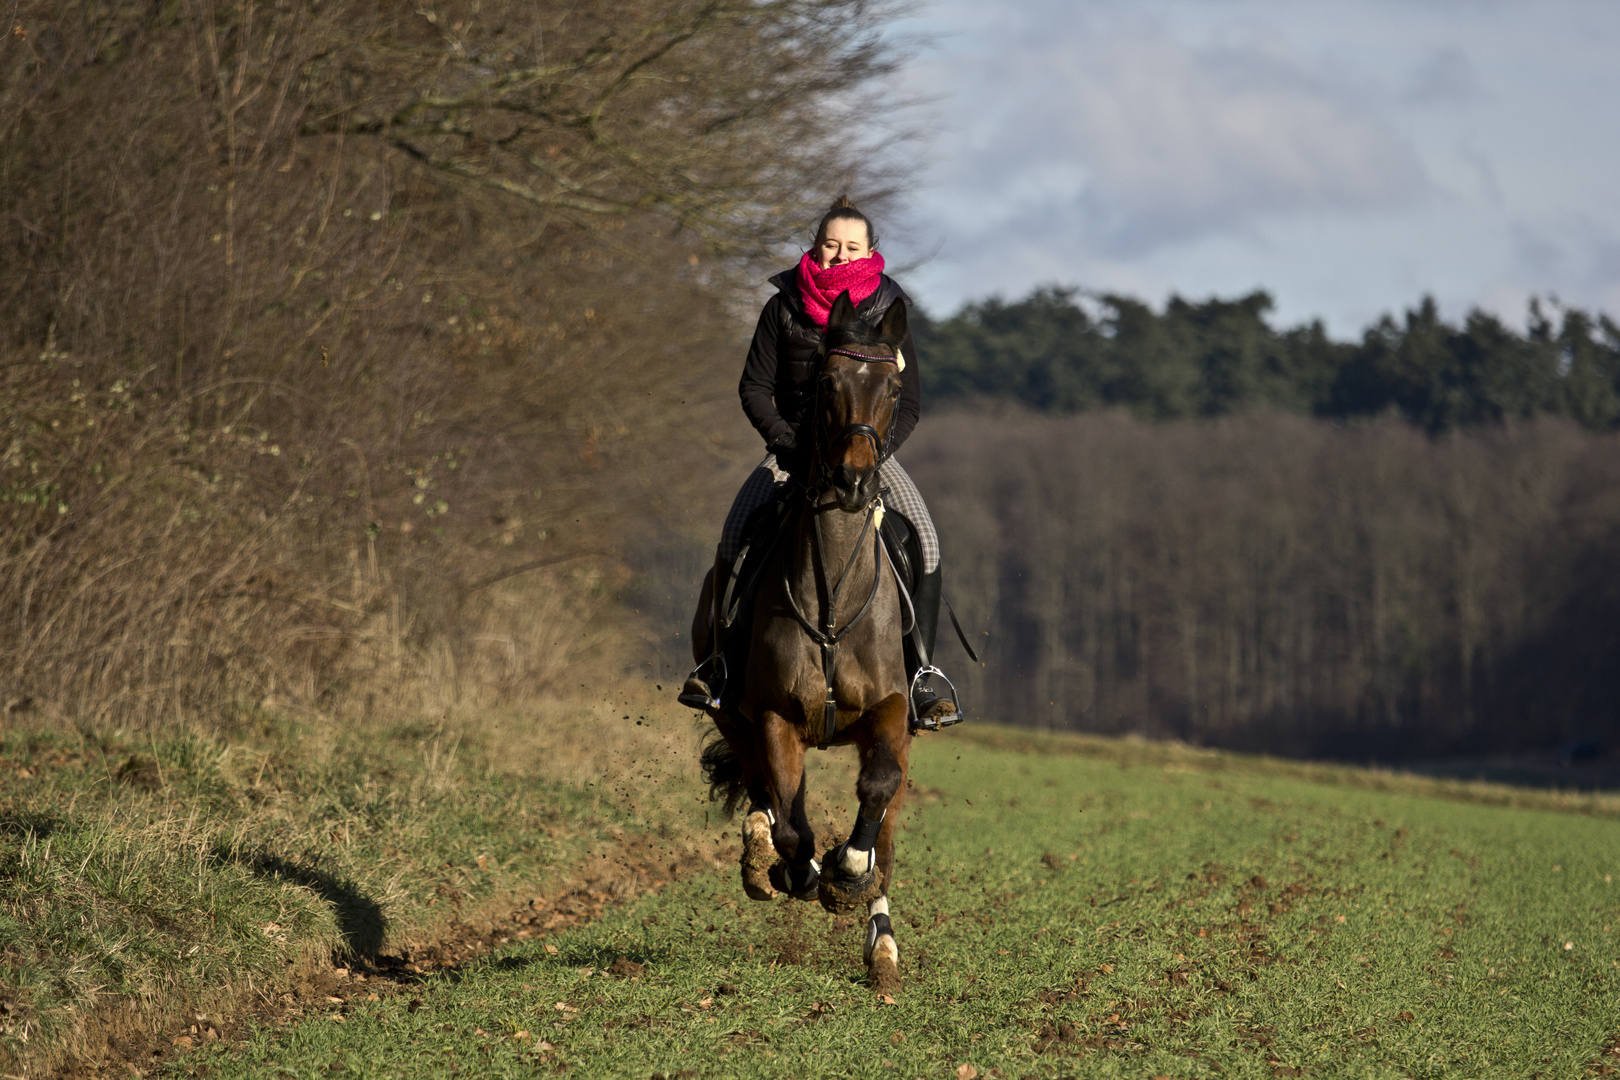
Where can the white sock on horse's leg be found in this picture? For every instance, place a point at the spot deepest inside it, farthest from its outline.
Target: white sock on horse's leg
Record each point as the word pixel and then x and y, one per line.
pixel 757 827
pixel 880 943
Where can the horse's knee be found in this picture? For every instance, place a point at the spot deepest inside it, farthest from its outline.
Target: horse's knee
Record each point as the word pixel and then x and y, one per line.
pixel 879 780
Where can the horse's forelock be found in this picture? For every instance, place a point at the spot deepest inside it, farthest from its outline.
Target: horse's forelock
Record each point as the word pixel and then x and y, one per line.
pixel 857 333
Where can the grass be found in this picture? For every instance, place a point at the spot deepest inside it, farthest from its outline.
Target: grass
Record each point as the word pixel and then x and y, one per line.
pixel 148 879
pixel 1139 911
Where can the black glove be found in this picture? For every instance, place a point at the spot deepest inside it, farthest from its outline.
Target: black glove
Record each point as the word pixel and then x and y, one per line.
pixel 783 445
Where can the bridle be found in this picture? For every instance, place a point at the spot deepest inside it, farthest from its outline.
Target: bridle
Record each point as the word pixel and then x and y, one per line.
pixel 828 635
pixel 882 447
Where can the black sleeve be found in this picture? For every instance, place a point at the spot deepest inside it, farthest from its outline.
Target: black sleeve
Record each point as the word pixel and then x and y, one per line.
pixel 909 410
pixel 758 385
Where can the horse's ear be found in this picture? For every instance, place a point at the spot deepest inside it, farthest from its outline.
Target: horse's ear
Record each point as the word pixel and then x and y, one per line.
pixel 893 324
pixel 843 311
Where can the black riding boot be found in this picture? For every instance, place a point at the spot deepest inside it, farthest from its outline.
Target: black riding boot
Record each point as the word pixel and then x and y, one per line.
pixel 707 682
pixel 929 707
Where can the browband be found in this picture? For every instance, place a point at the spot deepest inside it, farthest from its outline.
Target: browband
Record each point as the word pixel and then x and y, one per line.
pixel 895 359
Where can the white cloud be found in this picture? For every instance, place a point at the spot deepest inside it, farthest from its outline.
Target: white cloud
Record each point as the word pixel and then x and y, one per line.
pixel 1348 157
pixel 1138 140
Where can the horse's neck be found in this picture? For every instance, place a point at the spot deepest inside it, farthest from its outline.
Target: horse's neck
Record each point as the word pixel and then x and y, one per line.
pixel 841 544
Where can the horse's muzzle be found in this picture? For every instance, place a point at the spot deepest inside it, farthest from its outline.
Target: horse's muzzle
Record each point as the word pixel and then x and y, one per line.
pixel 849 487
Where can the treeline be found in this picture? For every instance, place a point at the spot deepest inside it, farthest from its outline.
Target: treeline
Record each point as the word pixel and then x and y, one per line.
pixel 1276 583
pixel 343 345
pixel 1053 353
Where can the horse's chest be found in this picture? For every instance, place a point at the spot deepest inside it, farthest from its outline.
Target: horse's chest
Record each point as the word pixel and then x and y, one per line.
pixel 859 668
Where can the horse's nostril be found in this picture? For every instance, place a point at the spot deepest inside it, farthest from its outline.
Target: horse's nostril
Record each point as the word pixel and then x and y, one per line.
pixel 846 477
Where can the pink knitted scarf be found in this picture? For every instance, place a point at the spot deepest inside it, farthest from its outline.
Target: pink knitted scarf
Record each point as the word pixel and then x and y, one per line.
pixel 819 288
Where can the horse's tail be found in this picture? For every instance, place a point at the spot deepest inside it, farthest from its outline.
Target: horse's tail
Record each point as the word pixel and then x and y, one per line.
pixel 723 772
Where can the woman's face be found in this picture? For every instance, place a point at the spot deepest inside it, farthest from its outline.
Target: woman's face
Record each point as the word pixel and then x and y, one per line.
pixel 846 241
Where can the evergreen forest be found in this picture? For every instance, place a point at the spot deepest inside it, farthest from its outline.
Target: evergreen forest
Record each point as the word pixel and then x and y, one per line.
pixel 1057 351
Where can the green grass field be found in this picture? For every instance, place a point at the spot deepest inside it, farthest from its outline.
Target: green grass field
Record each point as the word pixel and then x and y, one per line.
pixel 1135 912
pixel 147 879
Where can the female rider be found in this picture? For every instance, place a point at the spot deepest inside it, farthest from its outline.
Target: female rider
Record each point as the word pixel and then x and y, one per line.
pixel 775 391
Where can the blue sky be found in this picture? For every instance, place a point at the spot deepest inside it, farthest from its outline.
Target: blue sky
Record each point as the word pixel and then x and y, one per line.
pixel 1347 157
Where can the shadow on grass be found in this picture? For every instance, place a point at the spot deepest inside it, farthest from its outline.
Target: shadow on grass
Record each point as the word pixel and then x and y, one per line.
pixel 360 918
pixel 599 958
pixel 40 826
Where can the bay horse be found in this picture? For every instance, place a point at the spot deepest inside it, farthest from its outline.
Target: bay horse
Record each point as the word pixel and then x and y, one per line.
pixel 825 666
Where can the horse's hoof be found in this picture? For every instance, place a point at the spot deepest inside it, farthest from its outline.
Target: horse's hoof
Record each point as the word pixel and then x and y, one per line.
pixel 883 976
pixel 799 882
pixel 842 892
pixel 882 956
pixel 757 856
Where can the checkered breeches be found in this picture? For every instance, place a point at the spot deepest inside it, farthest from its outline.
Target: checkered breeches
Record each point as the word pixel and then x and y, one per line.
pixel 903 499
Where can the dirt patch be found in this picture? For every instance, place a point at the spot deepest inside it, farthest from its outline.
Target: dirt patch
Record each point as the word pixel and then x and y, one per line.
pixel 789 935
pixel 625 968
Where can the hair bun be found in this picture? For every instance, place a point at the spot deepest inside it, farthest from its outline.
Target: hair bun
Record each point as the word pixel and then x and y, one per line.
pixel 844 208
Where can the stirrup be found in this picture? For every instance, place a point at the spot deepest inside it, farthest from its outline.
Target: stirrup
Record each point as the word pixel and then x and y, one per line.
pixel 919 723
pixel 690 695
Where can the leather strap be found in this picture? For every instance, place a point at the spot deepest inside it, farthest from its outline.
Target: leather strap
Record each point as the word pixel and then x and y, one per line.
pixel 960 636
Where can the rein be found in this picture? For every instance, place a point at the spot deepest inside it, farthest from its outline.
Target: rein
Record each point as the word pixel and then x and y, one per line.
pixel 827 637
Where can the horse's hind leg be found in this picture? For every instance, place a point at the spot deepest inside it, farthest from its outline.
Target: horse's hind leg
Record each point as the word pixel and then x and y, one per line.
pixel 885 752
pixel 791 833
pixel 757 847
pixel 881 951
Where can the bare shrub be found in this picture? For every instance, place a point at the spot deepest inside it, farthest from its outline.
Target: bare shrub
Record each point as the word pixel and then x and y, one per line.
pixel 1276 583
pixel 345 345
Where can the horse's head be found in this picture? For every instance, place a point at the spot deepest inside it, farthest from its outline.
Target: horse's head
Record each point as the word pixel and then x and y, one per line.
pixel 856 393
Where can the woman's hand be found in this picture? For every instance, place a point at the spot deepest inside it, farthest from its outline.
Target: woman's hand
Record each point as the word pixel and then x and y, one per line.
pixel 783 445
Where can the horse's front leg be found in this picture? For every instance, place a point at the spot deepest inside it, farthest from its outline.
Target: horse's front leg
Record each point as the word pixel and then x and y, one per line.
pixel 794 839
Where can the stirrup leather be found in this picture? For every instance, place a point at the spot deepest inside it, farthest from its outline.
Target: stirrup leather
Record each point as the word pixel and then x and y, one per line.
pixel 932 723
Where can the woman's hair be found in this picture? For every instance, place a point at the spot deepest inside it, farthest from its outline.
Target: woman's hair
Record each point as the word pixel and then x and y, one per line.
pixel 844 210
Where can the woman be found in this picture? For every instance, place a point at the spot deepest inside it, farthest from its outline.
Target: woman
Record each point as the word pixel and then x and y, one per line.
pixel 775 390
